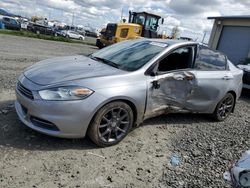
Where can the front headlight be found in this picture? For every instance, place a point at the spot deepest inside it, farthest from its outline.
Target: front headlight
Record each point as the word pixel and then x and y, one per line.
pixel 65 93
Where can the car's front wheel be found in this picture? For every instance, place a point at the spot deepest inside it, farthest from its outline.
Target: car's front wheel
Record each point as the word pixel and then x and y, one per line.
pixel 111 124
pixel 224 107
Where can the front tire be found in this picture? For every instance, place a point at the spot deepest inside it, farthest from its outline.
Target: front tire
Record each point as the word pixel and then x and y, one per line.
pixel 224 107
pixel 99 44
pixel 111 124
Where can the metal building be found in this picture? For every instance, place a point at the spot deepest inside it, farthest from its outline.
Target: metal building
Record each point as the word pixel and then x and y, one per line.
pixel 231 35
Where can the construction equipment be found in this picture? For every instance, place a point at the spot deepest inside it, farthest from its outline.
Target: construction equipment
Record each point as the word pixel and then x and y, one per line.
pixel 140 24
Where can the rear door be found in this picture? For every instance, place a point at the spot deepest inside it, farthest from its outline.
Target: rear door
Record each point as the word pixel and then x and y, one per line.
pixel 74 35
pixel 7 23
pixel 213 80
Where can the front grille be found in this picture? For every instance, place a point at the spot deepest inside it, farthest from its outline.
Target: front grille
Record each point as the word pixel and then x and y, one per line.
pixel 246 77
pixel 26 92
pixel 44 124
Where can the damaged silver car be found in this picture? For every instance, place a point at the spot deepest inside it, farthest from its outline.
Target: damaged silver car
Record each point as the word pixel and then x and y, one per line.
pixel 108 92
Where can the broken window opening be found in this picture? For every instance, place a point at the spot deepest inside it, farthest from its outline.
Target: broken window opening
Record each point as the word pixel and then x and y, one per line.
pixel 180 58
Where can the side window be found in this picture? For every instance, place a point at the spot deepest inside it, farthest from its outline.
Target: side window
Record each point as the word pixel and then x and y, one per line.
pixel 6 19
pixel 14 22
pixel 139 19
pixel 151 23
pixel 124 33
pixel 208 59
pixel 180 58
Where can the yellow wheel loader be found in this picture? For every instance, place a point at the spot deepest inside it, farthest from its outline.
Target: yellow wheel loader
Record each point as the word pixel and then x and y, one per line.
pixel 140 24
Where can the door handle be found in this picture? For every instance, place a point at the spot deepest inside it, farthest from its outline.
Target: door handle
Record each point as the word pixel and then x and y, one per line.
pixel 227 78
pixel 189 77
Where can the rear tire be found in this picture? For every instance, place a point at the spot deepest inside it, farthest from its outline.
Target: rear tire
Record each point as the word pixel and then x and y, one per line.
pixel 111 124
pixel 224 107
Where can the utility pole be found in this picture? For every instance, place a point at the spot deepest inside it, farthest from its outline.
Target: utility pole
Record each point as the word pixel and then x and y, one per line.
pixel 73 17
pixel 121 14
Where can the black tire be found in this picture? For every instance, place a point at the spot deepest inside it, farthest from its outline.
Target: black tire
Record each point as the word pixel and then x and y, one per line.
pixel 99 44
pixel 80 38
pixel 224 107
pixel 111 124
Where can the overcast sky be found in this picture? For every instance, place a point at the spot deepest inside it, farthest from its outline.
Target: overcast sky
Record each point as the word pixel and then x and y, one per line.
pixel 189 15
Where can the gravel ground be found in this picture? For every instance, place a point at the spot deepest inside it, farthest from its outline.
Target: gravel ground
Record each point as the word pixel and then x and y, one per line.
pixel 142 159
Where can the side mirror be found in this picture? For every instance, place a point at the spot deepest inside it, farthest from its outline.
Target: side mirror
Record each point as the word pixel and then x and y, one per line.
pixel 153 73
pixel 162 20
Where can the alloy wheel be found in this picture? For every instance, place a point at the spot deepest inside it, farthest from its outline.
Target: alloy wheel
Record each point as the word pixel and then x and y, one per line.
pixel 114 124
pixel 225 107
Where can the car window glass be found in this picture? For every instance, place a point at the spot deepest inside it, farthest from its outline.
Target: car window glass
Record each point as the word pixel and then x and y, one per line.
pixel 131 55
pixel 6 19
pixel 180 58
pixel 13 21
pixel 208 59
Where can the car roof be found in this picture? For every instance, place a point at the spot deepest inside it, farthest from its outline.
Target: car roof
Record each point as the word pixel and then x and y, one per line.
pixel 3 16
pixel 171 42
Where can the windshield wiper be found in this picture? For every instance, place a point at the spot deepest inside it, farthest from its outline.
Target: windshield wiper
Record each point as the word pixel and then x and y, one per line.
pixel 108 62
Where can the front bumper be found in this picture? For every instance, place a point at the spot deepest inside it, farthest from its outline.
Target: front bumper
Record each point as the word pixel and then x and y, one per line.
pixel 67 119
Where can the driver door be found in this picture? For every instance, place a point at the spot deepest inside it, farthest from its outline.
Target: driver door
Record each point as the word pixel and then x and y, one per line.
pixel 173 84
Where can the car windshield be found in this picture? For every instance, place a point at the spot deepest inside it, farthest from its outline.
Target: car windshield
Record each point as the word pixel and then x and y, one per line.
pixel 130 55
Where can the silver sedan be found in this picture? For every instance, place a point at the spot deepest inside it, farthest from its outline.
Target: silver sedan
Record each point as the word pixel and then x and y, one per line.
pixel 108 92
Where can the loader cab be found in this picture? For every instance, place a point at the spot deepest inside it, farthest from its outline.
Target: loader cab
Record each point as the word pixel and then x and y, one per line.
pixel 148 21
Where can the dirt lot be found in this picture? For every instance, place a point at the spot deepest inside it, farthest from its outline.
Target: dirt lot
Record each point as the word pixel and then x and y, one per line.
pixel 30 159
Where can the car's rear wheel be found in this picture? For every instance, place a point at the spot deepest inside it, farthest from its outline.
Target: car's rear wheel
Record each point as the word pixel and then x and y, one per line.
pixel 224 107
pixel 111 124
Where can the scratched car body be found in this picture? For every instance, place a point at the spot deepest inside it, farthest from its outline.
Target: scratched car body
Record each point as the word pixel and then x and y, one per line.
pixel 108 92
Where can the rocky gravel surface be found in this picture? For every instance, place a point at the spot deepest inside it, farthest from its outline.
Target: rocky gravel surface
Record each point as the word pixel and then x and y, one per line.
pixel 175 150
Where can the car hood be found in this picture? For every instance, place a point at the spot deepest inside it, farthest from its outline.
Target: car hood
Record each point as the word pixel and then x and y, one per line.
pixel 63 69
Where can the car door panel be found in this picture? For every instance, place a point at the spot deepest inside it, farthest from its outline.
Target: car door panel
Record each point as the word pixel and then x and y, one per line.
pixel 174 89
pixel 196 89
pixel 210 89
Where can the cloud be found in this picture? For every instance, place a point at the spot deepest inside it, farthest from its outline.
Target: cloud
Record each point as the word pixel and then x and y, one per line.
pixel 193 7
pixel 189 15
